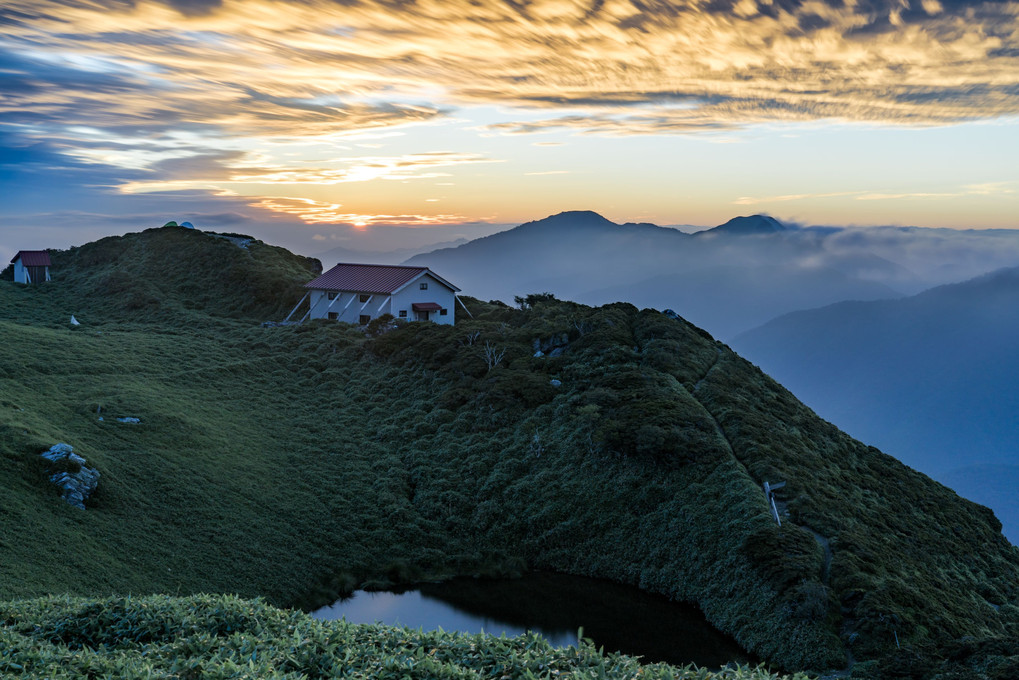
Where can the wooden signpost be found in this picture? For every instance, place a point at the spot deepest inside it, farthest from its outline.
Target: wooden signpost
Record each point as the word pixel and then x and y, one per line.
pixel 769 493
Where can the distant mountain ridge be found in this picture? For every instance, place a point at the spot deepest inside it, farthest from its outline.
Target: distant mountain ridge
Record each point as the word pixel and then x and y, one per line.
pixel 581 219
pixel 744 226
pixel 569 224
pixel 726 279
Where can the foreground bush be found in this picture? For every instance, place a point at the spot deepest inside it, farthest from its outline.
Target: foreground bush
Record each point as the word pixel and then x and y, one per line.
pixel 225 637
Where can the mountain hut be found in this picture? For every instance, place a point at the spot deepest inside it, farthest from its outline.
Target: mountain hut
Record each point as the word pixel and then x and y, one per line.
pixel 31 266
pixel 358 293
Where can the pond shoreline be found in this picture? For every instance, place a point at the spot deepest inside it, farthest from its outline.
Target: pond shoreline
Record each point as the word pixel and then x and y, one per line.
pixel 616 617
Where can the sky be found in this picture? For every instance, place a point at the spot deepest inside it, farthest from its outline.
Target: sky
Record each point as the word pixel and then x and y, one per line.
pixel 312 123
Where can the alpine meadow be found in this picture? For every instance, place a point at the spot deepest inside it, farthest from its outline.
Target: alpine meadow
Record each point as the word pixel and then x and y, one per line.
pixel 264 469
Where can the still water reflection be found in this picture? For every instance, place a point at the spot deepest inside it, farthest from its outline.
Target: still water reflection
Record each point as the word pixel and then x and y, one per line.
pixel 618 618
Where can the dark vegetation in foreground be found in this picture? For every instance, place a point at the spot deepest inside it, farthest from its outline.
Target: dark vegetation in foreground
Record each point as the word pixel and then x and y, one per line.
pixel 298 463
pixel 224 637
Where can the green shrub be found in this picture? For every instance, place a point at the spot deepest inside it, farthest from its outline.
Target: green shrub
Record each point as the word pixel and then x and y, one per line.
pixel 296 463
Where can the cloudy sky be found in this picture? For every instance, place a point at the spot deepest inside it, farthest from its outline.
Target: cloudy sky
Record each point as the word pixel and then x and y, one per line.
pixel 308 122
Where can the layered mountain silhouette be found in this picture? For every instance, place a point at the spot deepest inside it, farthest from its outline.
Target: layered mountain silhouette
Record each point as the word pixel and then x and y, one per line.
pixel 727 279
pixel 931 379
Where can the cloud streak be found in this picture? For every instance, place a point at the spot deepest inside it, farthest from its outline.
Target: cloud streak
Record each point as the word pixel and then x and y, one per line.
pixel 319 212
pixel 985 189
pixel 174 95
pixel 313 68
pixel 218 172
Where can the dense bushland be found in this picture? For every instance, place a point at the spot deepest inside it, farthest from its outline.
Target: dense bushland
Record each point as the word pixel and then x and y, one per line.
pixel 297 463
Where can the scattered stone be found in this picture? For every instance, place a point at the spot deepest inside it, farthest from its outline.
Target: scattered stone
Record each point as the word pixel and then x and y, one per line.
pixel 239 241
pixel 555 383
pixel 78 485
pixel 552 346
pixel 57 452
pixel 129 419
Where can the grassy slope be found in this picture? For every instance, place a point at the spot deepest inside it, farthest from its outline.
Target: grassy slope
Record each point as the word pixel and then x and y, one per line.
pixel 294 463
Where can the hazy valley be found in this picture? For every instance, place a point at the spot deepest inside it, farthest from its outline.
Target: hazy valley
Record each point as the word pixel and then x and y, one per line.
pixel 930 378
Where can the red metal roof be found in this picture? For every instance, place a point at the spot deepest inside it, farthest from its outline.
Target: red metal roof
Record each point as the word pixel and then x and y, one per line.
pixel 425 306
pixel 370 278
pixel 33 258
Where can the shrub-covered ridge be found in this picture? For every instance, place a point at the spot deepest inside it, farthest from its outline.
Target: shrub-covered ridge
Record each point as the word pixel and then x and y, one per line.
pixel 171 275
pixel 295 463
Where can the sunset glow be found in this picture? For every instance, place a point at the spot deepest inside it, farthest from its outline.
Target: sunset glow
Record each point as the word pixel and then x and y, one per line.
pixel 293 115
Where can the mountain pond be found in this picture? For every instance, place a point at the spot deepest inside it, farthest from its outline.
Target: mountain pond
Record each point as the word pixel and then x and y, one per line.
pixel 616 617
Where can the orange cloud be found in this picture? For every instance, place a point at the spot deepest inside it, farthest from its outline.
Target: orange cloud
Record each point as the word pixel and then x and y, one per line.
pixel 230 172
pixel 259 67
pixel 232 95
pixel 318 212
